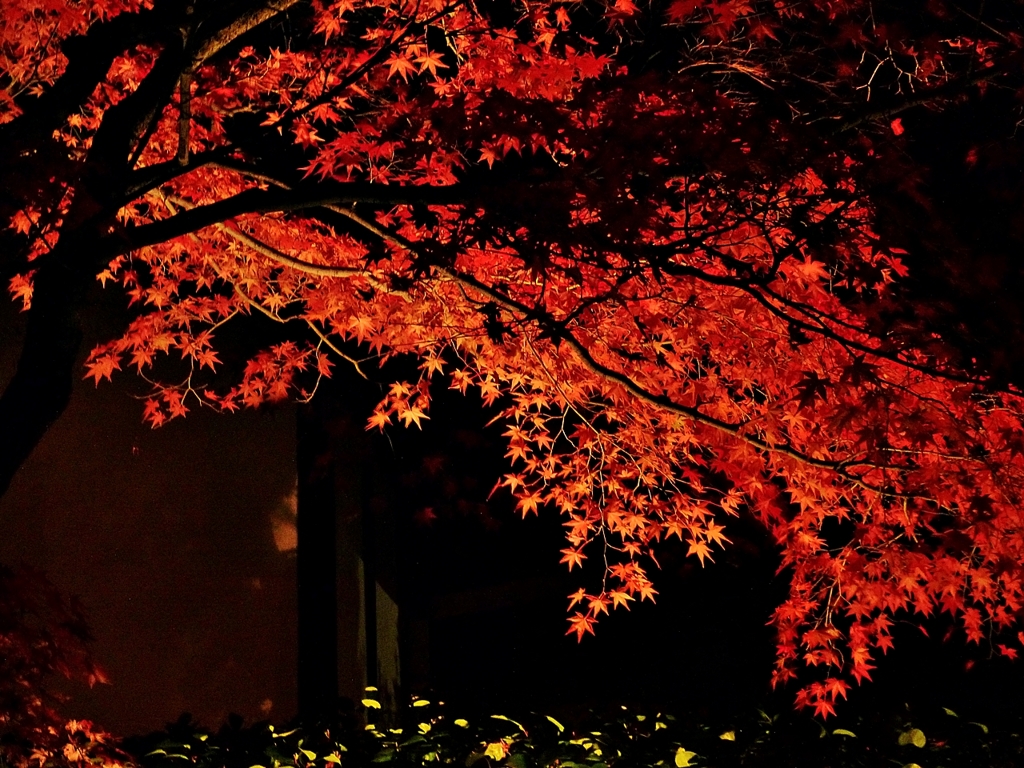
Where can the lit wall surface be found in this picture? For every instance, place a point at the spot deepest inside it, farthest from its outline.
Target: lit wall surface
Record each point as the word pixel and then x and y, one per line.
pixel 172 538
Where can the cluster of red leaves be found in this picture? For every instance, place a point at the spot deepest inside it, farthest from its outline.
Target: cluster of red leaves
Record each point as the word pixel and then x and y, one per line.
pixel 31 34
pixel 75 744
pixel 654 295
pixel 42 634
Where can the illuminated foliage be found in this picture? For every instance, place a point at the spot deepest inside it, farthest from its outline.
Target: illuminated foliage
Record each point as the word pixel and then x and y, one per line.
pixel 624 227
pixel 428 734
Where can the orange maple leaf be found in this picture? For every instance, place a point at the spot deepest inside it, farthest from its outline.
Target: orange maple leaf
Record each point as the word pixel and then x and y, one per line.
pixel 620 599
pixel 413 415
pixel 378 420
pixel 488 155
pixel 598 604
pixel 400 65
pixel 20 287
pixel 430 62
pixel 102 367
pixel 581 625
pixel 530 503
pixel 573 557
pixel 700 549
pixel 713 531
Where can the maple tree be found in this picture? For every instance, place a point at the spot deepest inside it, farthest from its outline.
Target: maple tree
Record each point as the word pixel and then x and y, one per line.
pixel 645 236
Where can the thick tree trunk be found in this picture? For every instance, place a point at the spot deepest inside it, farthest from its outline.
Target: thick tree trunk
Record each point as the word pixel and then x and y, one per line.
pixel 41 387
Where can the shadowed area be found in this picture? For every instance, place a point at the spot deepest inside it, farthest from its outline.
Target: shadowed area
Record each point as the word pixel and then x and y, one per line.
pixel 168 536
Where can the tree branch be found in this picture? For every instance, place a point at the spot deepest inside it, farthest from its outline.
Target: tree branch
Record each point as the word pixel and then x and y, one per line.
pixel 947 91
pixel 89 59
pixel 283 201
pixel 321 270
pixel 150 177
pixel 184 115
pixel 245 22
pixel 694 414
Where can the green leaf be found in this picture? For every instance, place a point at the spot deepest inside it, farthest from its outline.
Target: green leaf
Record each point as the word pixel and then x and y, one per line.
pixel 950 712
pixel 913 736
pixel 518 760
pixel 844 732
pixel 728 736
pixel 984 728
pixel 309 755
pixel 510 720
pixel 332 758
pixel 461 723
pixel 495 751
pixel 421 703
pixel 371 704
pixel 684 757
pixel 558 725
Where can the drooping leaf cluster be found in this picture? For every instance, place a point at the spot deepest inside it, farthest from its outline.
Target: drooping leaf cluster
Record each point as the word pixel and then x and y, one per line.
pixel 644 236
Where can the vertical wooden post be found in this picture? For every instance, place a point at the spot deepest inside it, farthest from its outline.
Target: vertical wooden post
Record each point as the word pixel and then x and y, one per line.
pixel 369 557
pixel 316 566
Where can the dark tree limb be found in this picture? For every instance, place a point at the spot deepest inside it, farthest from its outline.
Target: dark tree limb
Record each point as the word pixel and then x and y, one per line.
pixel 89 60
pixel 283 201
pixel 184 115
pixel 951 90
pixel 245 17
